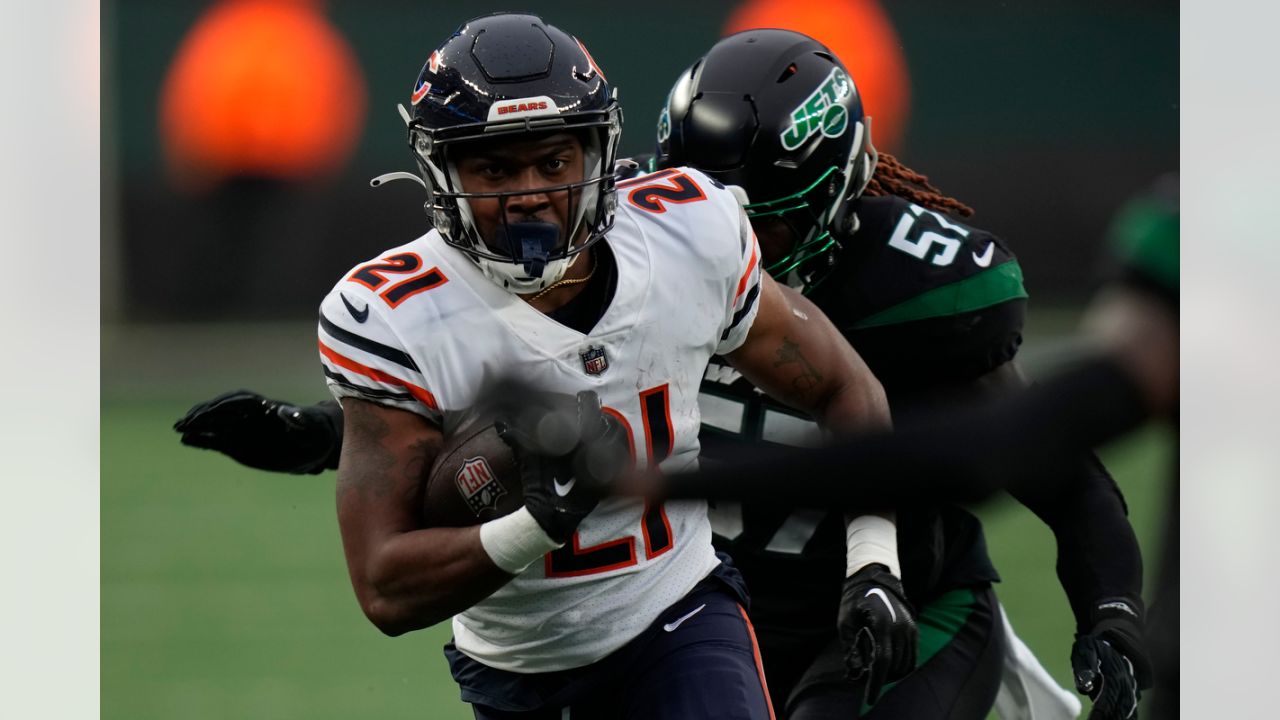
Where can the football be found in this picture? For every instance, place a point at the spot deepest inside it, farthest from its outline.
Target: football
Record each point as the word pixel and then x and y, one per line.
pixel 474 479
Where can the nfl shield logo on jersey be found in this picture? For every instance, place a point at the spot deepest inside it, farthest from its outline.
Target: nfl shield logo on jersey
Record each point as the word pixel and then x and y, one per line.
pixel 478 485
pixel 594 361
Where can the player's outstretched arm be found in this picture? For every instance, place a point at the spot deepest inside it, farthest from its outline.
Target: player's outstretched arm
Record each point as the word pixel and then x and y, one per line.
pixel 964 454
pixel 1098 554
pixel 1099 566
pixel 796 355
pixel 266 434
pixel 405 577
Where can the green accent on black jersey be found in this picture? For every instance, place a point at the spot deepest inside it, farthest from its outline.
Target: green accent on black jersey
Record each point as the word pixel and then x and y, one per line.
pixel 989 287
pixel 1145 238
pixel 938 623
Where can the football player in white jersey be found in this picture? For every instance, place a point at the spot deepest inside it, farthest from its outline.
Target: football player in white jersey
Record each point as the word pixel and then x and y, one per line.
pixel 539 267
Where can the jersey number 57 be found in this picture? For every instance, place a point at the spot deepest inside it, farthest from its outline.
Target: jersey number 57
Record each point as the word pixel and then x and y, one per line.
pixel 921 233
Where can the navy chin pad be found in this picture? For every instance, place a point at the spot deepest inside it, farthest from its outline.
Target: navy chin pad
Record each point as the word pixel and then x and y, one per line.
pixel 531 243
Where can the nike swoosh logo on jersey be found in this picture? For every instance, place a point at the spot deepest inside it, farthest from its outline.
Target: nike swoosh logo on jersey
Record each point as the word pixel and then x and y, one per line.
pixel 563 489
pixel 984 259
pixel 671 626
pixel 359 315
pixel 893 616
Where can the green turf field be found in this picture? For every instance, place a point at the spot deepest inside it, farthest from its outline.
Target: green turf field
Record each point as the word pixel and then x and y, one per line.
pixel 225 595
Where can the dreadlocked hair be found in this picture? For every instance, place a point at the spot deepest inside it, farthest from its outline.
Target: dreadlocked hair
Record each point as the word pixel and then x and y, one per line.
pixel 893 178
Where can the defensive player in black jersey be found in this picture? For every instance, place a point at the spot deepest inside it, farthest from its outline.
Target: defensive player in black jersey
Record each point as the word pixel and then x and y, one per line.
pixel 934 305
pixel 936 309
pixel 1122 370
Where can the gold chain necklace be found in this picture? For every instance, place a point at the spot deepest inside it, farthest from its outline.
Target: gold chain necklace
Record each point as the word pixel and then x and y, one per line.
pixel 569 281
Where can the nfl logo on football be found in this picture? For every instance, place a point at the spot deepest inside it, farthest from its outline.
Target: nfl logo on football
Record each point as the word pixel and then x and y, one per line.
pixel 478 486
pixel 594 361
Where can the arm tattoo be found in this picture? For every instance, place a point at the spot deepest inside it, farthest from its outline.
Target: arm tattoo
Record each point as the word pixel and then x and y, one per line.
pixel 367 464
pixel 808 376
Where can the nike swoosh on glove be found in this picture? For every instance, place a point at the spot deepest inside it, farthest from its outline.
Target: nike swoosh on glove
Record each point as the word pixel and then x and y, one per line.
pixel 877 628
pixel 567 460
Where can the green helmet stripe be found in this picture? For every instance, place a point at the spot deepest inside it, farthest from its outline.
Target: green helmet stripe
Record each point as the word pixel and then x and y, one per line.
pixel 767 205
pixel 779 211
pixel 797 256
pixel 806 250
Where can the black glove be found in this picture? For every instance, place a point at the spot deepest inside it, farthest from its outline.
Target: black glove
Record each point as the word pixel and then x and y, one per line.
pixel 1109 661
pixel 568 459
pixel 266 434
pixel 877 629
pixel 604 448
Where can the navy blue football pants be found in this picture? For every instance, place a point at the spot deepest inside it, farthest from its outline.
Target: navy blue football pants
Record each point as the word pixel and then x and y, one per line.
pixel 699 659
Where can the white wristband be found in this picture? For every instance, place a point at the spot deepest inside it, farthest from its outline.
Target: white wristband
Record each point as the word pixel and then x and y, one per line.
pixel 871 539
pixel 515 541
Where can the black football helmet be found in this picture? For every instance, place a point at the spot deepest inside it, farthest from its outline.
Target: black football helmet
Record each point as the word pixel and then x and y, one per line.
pixel 503 75
pixel 777 114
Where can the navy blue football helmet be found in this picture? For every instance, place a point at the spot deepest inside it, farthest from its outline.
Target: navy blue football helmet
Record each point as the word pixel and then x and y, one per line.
pixel 506 75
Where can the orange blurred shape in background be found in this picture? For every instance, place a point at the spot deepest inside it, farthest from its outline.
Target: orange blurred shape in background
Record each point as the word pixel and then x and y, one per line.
pixel 262 88
pixel 860 33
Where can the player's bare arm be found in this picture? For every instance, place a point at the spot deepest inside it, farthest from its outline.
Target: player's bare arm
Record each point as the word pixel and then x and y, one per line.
pixel 406 578
pixel 795 354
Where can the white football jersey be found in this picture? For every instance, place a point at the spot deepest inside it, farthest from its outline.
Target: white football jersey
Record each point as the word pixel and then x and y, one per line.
pixel 421 329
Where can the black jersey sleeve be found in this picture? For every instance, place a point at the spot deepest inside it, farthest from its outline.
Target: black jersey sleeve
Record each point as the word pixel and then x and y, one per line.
pixel 1098 555
pixel 963 455
pixel 926 300
pixel 922 357
pixel 332 412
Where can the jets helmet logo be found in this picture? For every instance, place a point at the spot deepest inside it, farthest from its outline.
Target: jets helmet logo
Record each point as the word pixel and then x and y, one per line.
pixel 820 112
pixel 478 485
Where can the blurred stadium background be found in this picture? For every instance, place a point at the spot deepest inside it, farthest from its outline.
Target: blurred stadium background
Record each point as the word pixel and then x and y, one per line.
pixel 237 141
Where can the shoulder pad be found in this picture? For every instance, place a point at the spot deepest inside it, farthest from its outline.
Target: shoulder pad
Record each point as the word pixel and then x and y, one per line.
pixel 907 263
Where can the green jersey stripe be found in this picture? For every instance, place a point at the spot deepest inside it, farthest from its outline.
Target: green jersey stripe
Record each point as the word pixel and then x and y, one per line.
pixel 989 287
